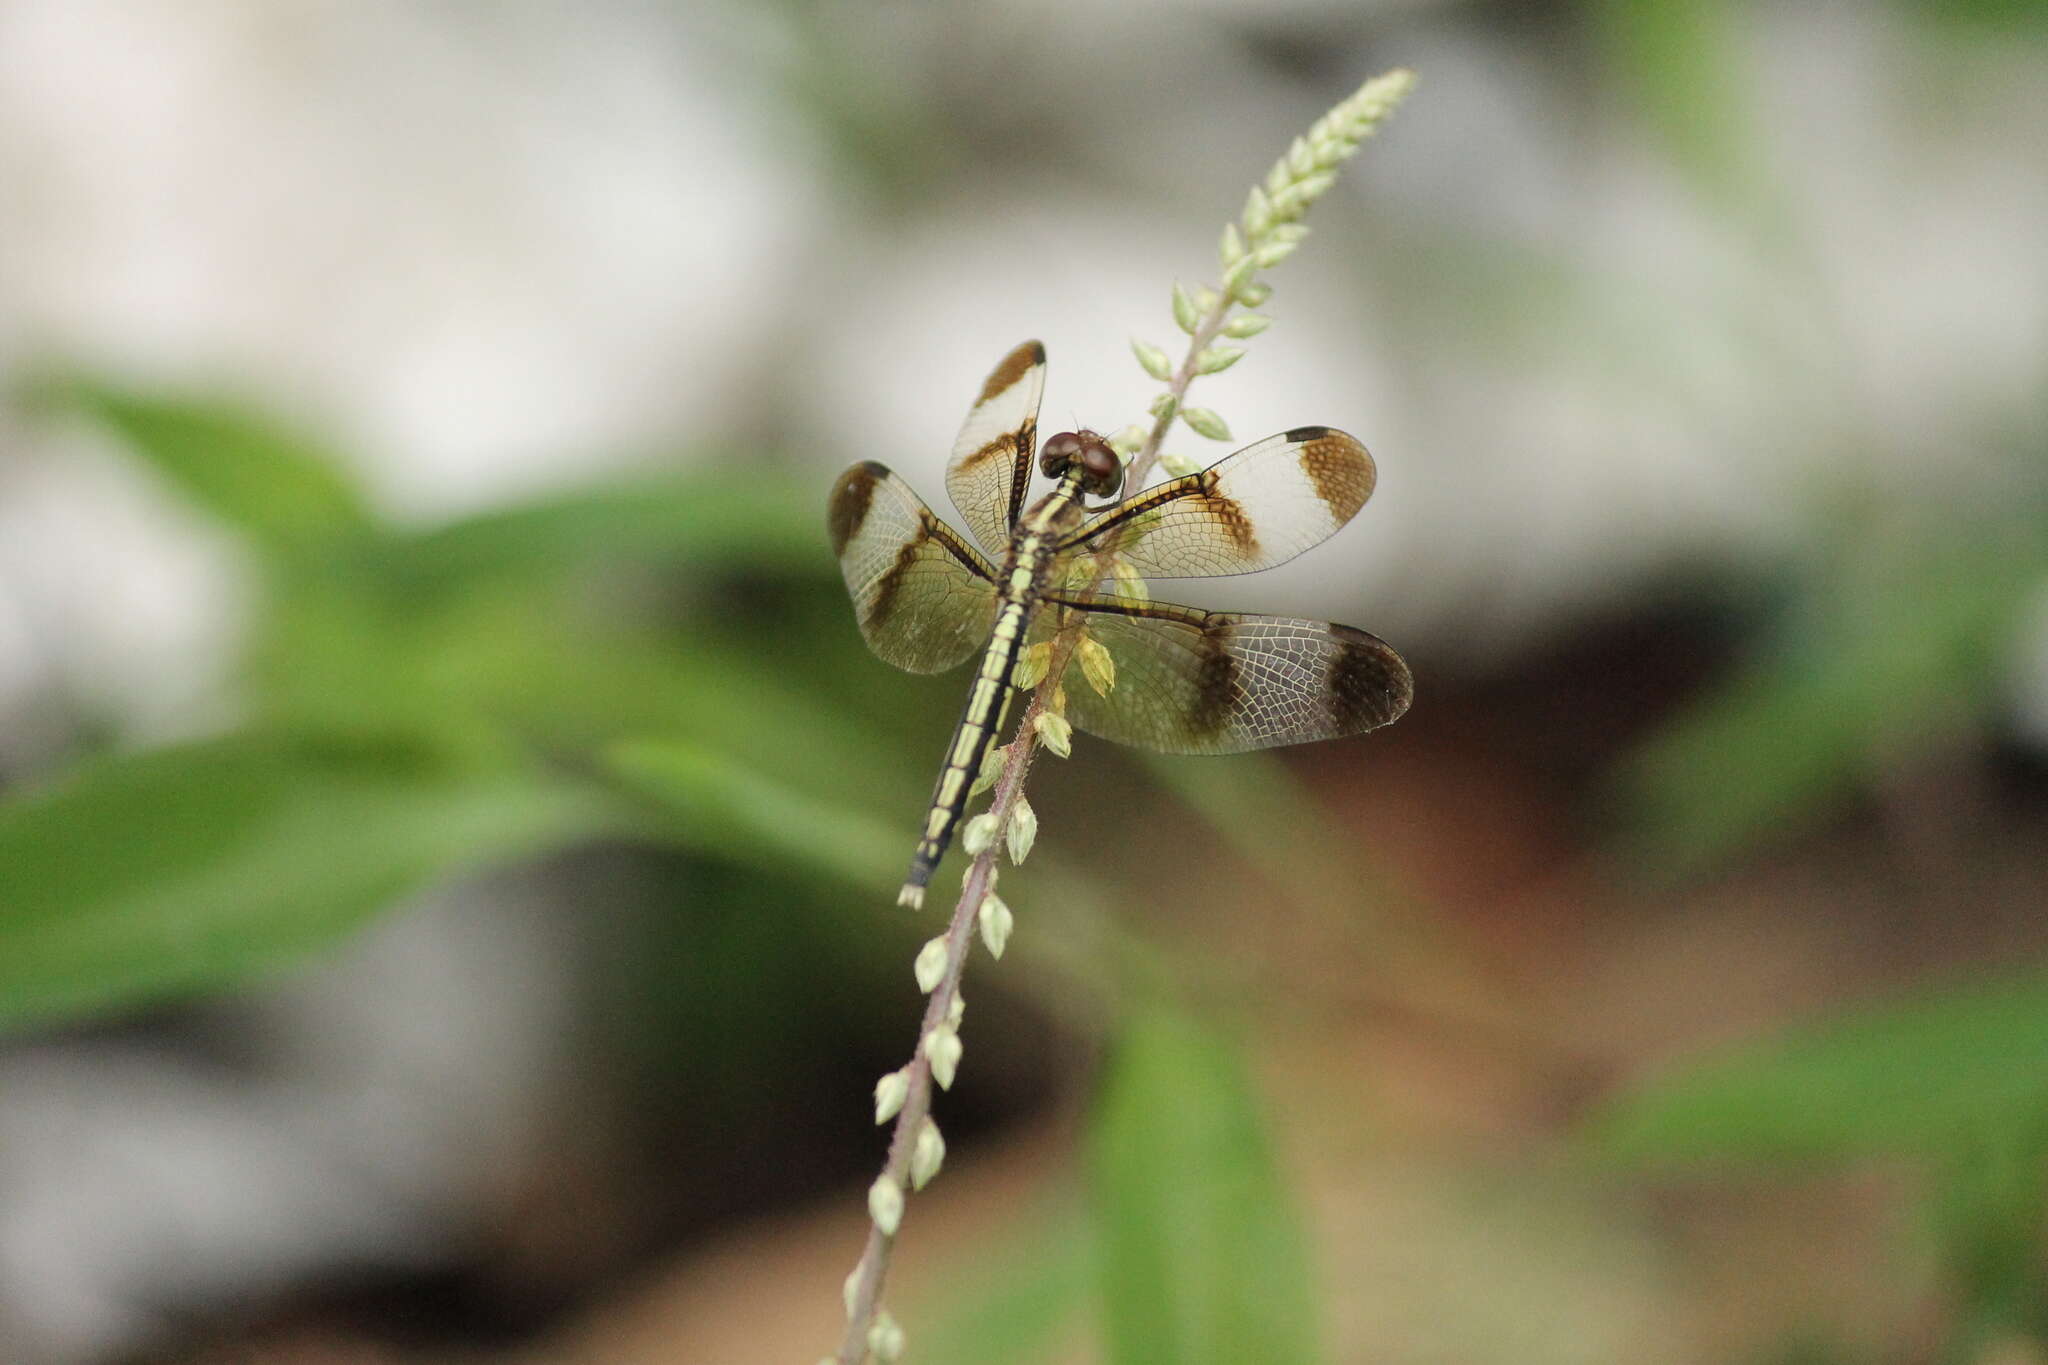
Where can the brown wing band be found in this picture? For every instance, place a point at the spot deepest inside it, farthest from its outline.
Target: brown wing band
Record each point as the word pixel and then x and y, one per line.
pixel 850 502
pixel 1367 683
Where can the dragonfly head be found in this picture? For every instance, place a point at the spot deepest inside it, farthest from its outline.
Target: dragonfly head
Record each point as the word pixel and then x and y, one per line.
pixel 1102 473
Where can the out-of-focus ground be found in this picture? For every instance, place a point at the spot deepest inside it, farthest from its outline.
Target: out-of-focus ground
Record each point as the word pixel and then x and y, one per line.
pixel 1667 333
pixel 1430 1136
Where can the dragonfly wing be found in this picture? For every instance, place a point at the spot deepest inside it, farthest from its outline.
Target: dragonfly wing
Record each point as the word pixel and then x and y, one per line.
pixel 925 600
pixel 1249 511
pixel 990 471
pixel 1209 682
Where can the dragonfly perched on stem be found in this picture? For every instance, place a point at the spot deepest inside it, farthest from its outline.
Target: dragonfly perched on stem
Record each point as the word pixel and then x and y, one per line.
pixel 1060 584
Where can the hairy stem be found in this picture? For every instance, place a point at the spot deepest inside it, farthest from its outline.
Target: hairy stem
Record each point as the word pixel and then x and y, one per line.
pixel 868 1275
pixel 1206 331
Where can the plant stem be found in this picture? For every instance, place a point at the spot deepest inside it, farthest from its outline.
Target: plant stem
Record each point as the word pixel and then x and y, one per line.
pixel 873 1267
pixel 1270 230
pixel 1205 332
pixel 874 1260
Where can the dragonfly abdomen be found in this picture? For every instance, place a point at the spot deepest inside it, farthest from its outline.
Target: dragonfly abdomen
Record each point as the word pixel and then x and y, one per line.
pixel 980 719
pixel 1020 585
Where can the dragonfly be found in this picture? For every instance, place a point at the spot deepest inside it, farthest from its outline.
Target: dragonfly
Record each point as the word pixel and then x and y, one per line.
pixel 1165 677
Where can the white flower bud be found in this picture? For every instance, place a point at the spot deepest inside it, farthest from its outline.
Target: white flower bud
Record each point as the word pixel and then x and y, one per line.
pixel 998 756
pixel 885 1205
pixel 1230 250
pixel 1031 666
pixel 885 1338
pixel 1218 358
pixel 978 834
pixel 1153 359
pixel 942 1048
pixel 996 922
pixel 1258 212
pixel 1239 276
pixel 931 965
pixel 1273 253
pixel 1098 665
pixel 890 1092
pixel 1023 830
pixel 1128 582
pixel 927 1155
pixel 1301 158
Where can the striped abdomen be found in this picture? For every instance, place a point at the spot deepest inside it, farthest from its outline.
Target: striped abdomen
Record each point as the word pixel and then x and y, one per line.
pixel 980 718
pixel 1021 584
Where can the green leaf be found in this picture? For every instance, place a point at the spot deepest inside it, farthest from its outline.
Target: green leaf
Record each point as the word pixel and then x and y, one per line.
pixel 1875 670
pixel 708 519
pixel 1014 1310
pixel 1905 1078
pixel 1201 1258
pixel 1679 62
pixel 1987 1218
pixel 720 808
pixel 519 664
pixel 272 483
pixel 191 868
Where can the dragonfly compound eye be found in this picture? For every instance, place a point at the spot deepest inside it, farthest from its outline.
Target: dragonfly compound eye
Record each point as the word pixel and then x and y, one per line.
pixel 1103 471
pixel 1058 452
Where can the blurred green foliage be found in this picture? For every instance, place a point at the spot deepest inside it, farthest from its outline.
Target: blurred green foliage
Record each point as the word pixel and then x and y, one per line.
pixel 1884 645
pixel 192 867
pixel 422 702
pixel 1675 63
pixel 1891 647
pixel 1190 1250
pixel 1954 1081
pixel 1919 1077
pixel 1202 1262
pixel 419 702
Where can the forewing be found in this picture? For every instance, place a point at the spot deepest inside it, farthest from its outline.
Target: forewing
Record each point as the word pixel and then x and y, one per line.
pixel 924 598
pixel 991 467
pixel 1207 682
pixel 1249 511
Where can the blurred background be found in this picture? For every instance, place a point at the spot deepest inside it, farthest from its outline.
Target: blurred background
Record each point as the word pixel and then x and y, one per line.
pixel 448 819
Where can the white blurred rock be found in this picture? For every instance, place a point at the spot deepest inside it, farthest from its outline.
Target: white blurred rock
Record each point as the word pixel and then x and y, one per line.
pixel 375 1111
pixel 487 249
